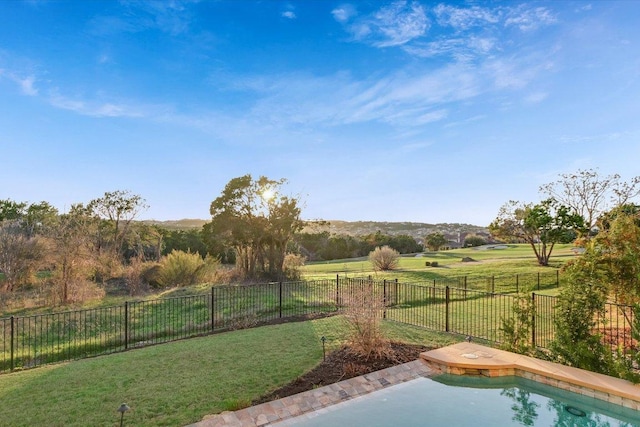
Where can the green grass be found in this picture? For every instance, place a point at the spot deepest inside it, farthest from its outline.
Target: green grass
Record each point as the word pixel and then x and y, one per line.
pixel 178 383
pixel 500 263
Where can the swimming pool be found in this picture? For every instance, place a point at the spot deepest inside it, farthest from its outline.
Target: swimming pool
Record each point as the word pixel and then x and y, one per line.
pixel 449 400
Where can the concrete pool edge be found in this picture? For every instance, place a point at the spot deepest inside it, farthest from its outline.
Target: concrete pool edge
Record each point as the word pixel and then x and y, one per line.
pixel 474 359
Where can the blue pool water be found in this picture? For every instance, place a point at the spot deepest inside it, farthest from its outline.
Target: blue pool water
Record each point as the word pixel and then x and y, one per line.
pixel 469 401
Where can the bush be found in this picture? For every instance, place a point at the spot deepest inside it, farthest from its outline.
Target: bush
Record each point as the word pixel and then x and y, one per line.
pixel 474 240
pixel 434 263
pixel 384 258
pixel 139 275
pixel 363 308
pixel 181 269
pixel 291 266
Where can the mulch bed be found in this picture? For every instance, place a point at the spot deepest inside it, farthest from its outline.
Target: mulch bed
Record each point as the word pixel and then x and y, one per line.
pixel 344 364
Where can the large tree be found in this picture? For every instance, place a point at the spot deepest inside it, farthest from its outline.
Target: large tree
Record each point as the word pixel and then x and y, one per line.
pixel 253 217
pixel 541 225
pixel 589 194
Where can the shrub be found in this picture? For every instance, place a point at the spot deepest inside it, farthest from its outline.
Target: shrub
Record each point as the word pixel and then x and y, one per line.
pixel 427 264
pixel 181 269
pixel 580 304
pixel 516 329
pixel 291 266
pixel 139 275
pixel 474 240
pixel 363 307
pixel 434 263
pixel 384 258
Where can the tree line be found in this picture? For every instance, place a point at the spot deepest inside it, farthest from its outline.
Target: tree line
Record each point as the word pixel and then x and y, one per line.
pixel 254 226
pixel 258 229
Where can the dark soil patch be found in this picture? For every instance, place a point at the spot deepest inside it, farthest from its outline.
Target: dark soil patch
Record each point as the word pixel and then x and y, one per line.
pixel 344 364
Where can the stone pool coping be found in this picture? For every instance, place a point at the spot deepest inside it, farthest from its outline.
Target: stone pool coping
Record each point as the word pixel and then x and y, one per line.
pixel 460 359
pixel 474 359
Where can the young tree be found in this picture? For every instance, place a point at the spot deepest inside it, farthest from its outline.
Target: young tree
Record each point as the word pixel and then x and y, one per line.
pixel 72 257
pixel 615 251
pixel 20 255
pixel 541 225
pixel 581 303
pixel 435 241
pixel 590 195
pixel 118 208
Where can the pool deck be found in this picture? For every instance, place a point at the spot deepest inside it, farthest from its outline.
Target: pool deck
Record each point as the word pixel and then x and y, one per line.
pixel 460 359
pixel 473 359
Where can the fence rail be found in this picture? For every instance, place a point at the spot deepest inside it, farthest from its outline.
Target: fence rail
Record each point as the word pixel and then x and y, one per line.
pixel 453 306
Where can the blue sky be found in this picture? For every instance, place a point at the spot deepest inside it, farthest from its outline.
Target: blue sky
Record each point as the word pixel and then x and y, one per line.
pixel 372 110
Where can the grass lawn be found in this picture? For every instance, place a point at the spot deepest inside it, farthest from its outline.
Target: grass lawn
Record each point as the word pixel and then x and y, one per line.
pixel 514 260
pixel 178 383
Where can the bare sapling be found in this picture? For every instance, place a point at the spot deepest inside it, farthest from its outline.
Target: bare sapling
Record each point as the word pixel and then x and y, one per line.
pixel 363 307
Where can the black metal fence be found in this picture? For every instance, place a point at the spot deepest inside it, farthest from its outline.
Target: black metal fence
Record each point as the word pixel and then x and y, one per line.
pixel 30 341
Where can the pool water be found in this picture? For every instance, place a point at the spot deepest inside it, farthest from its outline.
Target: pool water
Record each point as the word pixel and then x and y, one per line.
pixel 449 400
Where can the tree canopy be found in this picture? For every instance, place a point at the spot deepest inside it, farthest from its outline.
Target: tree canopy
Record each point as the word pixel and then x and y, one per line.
pixel 590 195
pixel 541 225
pixel 435 241
pixel 253 217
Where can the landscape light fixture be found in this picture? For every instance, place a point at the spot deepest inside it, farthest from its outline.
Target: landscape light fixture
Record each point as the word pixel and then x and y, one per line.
pixel 122 409
pixel 324 353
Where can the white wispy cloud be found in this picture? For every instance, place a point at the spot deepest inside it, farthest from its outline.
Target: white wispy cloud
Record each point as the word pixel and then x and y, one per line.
pixel 392 25
pixel 289 14
pixel 465 18
pixel 26 83
pixel 466 33
pixel 344 13
pixel 461 48
pixel 173 17
pixel 103 108
pixel 536 97
pixel 529 19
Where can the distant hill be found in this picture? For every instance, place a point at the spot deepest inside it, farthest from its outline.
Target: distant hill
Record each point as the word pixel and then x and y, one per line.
pixel 417 230
pixel 179 224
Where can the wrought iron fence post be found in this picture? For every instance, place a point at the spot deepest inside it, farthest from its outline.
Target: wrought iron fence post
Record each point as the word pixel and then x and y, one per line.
pixel 280 298
pixel 395 296
pixel 538 280
pixel 384 299
pixel 446 309
pixel 517 284
pixel 12 338
pixel 213 308
pixel 533 319
pixel 557 278
pixel 337 291
pixel 126 325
